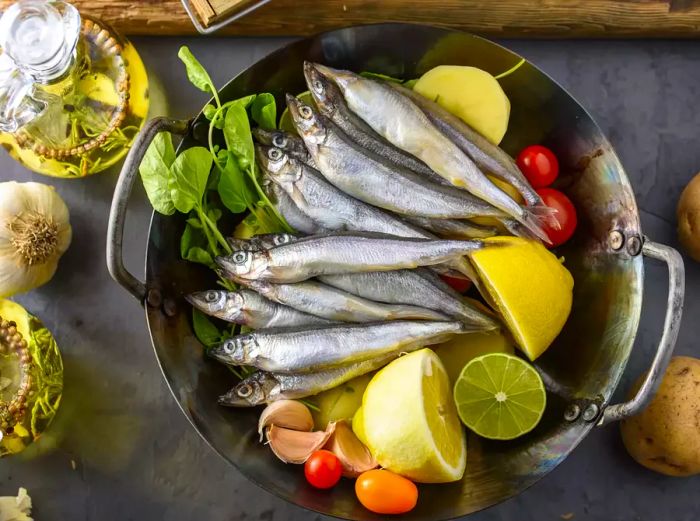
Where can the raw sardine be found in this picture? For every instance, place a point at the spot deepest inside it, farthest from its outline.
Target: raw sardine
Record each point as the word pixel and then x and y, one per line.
pixel 313 349
pixel 264 241
pixel 396 118
pixel 342 253
pixel 291 213
pixel 250 309
pixel 489 157
pixel 453 228
pixel 262 387
pixel 291 144
pixel 333 303
pixel 413 287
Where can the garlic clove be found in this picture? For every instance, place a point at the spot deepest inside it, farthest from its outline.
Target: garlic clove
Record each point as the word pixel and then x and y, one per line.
pixel 352 453
pixel 296 446
pixel 289 414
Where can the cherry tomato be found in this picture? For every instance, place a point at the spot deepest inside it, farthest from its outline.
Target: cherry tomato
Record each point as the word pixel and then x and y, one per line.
pixel 566 215
pixel 459 285
pixel 539 164
pixel 323 469
pixel 384 492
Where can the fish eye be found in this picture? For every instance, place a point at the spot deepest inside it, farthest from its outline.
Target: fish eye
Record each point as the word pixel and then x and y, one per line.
pixel 318 86
pixel 274 154
pixel 278 240
pixel 244 390
pixel 240 257
pixel 279 141
pixel 305 112
pixel 211 296
pixel 229 346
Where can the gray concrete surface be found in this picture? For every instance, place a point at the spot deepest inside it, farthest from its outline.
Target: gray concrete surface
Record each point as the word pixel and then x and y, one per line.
pixel 124 451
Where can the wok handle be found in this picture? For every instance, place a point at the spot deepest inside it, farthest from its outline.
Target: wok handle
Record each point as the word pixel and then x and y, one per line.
pixel 672 323
pixel 120 200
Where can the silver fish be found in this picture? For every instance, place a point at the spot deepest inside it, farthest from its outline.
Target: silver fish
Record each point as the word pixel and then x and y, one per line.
pixel 414 287
pixel 313 349
pixel 262 387
pixel 263 241
pixel 453 228
pixel 250 309
pixel 346 165
pixel 291 213
pixel 489 157
pixel 289 143
pixel 396 118
pixel 332 303
pixel 331 104
pixel 342 253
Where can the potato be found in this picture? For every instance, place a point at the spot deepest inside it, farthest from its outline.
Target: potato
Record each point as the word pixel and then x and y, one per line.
pixel 688 215
pixel 339 403
pixel 471 94
pixel 665 437
pixel 462 349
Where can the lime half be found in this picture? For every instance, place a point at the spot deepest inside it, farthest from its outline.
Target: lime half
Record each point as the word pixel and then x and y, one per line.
pixel 500 396
pixel 286 122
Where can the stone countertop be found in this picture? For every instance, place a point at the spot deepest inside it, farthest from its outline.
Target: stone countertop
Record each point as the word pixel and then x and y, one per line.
pixel 125 452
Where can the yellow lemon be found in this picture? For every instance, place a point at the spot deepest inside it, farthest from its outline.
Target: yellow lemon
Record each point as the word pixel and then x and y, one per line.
pixel 462 349
pixel 530 288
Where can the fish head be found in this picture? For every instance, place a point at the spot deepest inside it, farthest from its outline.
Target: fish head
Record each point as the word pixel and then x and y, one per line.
pixel 272 240
pixel 264 136
pixel 307 121
pixel 236 350
pixel 325 93
pixel 341 78
pixel 279 167
pixel 244 264
pixel 254 390
pixel 212 302
pixel 241 244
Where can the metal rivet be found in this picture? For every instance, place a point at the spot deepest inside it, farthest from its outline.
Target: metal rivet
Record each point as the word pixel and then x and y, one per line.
pixel 616 240
pixel 154 298
pixel 572 412
pixel 169 307
pixel 591 412
pixel 634 245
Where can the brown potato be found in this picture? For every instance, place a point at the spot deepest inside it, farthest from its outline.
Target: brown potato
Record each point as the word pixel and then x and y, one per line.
pixel 665 437
pixel 688 215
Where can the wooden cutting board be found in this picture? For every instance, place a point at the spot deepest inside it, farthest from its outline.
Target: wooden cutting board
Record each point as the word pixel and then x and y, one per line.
pixel 508 18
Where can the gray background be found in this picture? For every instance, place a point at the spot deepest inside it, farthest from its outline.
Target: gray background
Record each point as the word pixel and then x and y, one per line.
pixel 123 451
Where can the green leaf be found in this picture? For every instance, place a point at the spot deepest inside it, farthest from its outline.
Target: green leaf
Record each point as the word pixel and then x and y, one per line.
pixel 189 180
pixel 239 139
pixel 264 111
pixel 155 172
pixel 209 111
pixel 233 187
pixel 199 255
pixel 196 73
pixel 378 76
pixel 194 223
pixel 204 329
pixel 214 214
pixel 410 83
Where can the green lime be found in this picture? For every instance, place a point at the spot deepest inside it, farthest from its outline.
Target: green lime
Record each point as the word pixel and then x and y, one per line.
pixel 500 396
pixel 286 122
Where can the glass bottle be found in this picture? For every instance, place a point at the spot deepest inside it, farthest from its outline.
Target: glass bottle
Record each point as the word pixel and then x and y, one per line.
pixel 73 94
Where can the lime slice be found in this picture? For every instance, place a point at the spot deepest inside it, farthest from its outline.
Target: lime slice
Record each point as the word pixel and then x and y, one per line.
pixel 410 423
pixel 500 396
pixel 286 122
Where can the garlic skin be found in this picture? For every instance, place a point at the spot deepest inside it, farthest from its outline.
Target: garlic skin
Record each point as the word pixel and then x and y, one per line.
pixel 289 414
pixel 292 446
pixel 34 232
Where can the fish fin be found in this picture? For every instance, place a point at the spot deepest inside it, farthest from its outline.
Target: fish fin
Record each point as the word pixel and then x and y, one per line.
pixel 546 214
pixel 520 230
pixel 532 219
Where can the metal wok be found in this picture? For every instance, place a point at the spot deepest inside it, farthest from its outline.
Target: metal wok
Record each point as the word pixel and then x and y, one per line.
pixel 606 257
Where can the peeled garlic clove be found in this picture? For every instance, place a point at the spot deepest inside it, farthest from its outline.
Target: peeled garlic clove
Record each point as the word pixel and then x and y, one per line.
pixel 352 453
pixel 289 414
pixel 296 446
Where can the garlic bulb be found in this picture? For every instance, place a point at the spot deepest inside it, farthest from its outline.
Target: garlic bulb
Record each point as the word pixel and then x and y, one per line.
pixel 34 233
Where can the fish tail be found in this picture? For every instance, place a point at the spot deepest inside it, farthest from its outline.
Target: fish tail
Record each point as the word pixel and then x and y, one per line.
pixel 521 230
pixel 545 214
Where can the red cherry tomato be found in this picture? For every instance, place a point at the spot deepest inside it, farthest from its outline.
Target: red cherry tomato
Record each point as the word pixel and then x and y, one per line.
pixel 459 285
pixel 323 469
pixel 539 164
pixel 384 492
pixel 566 215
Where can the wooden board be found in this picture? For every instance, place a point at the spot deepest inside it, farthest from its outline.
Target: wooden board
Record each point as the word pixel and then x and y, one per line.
pixel 508 18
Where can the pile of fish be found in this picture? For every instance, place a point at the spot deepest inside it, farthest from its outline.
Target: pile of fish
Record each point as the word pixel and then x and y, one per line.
pixel 377 178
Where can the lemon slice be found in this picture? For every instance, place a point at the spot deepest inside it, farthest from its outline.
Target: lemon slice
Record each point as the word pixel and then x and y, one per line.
pixel 410 421
pixel 500 396
pixel 286 122
pixel 530 288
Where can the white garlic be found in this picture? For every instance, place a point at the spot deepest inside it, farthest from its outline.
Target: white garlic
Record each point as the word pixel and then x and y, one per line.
pixel 34 233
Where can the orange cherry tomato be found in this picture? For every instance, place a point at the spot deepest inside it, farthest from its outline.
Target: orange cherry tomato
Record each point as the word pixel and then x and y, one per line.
pixel 459 285
pixel 384 492
pixel 323 469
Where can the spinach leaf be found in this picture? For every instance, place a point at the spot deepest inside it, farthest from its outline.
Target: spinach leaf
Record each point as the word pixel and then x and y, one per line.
pixel 233 187
pixel 193 236
pixel 196 73
pixel 204 329
pixel 199 255
pixel 209 111
pixel 239 140
pixel 190 173
pixel 264 111
pixel 155 172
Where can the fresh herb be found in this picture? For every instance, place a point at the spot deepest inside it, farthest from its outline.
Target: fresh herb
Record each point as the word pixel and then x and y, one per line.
pixel 197 74
pixel 511 70
pixel 264 111
pixel 383 77
pixel 154 171
pixel 205 330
